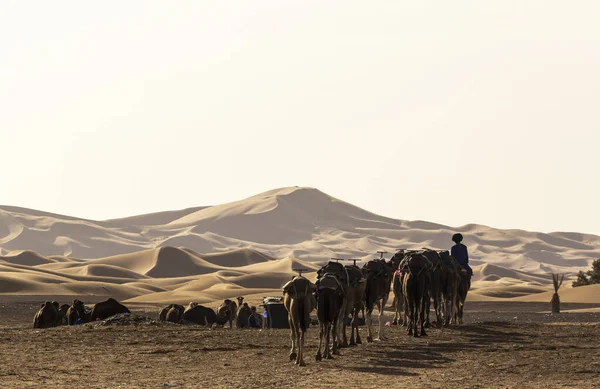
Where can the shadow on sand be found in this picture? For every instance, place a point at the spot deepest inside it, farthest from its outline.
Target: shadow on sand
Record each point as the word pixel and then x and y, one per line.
pixel 429 355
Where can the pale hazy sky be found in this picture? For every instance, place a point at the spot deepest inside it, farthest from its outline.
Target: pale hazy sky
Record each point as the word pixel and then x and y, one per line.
pixel 453 112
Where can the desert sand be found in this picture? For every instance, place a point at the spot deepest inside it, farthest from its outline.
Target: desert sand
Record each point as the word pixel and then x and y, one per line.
pixel 250 247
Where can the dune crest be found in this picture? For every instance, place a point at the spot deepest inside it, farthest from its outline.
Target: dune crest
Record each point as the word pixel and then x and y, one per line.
pixel 252 246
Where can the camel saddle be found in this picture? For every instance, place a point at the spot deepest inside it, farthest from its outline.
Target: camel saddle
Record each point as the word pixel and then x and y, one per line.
pixel 355 276
pixel 334 268
pixel 330 281
pixel 376 268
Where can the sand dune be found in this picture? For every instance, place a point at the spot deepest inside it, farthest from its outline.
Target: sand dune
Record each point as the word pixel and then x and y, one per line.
pixel 251 247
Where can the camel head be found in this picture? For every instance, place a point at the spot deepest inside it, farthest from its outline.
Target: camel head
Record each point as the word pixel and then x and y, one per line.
pixel 240 300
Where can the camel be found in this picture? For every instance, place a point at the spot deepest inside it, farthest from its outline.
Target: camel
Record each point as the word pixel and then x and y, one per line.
pixel 243 314
pixel 108 308
pixel 449 283
pixel 162 314
pixel 350 294
pixel 463 289
pixel 299 301
pixel 47 316
pixel 434 291
pixel 398 301
pixel 62 314
pixel 226 312
pixel 198 314
pixel 171 313
pixel 416 268
pixel 77 311
pixel 355 302
pixel 330 302
pixel 379 276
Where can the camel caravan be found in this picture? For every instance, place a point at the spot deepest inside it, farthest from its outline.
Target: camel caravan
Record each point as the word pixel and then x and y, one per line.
pixel 415 277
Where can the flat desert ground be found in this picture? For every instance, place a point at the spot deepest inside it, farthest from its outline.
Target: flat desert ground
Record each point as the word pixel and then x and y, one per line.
pixel 501 345
pixel 250 248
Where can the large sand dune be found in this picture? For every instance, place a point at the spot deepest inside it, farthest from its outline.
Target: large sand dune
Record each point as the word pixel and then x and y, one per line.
pixel 252 246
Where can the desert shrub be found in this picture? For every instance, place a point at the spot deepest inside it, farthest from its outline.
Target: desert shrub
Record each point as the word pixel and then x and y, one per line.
pixel 589 277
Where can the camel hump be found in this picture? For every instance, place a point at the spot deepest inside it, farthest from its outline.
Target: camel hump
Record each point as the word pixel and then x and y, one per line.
pixel 417 260
pixel 299 286
pixel 431 255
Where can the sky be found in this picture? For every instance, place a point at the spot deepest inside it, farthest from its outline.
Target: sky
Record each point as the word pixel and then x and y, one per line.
pixel 450 112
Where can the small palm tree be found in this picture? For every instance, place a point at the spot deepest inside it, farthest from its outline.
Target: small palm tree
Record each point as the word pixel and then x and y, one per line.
pixel 555 299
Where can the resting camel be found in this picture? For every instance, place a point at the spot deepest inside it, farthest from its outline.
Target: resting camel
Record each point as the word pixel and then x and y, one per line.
pixel 243 314
pixel 299 301
pixel 198 314
pixel 108 308
pixel 414 289
pixel 330 301
pixel 77 311
pixel 62 314
pixel 379 277
pixel 172 313
pixel 47 316
pixel 226 312
pixel 449 282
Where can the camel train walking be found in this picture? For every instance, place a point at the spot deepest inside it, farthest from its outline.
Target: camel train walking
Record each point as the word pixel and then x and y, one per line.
pixel 415 277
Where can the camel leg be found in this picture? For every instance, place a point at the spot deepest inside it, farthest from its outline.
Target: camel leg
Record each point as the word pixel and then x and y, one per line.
pixel 381 308
pixel 293 353
pixel 447 313
pixel 352 325
pixel 436 308
pixel 425 305
pixel 410 315
pixel 398 314
pixel 340 327
pixel 454 308
pixel 406 309
pixel 334 329
pixel 380 329
pixel 358 340
pixel 300 360
pixel 344 337
pixel 417 315
pixel 369 333
pixel 327 349
pixel 319 356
